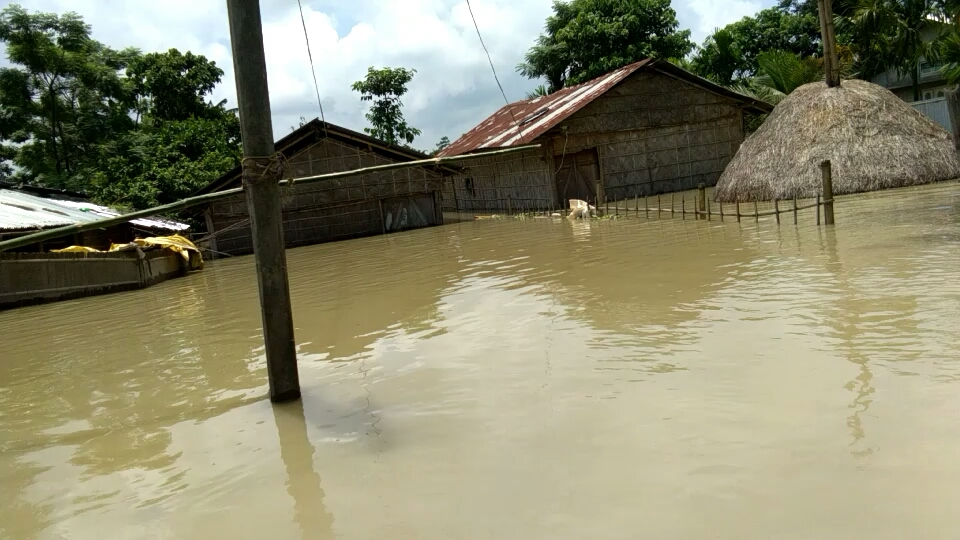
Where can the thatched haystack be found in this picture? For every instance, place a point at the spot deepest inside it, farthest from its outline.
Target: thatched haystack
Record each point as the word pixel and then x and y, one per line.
pixel 873 139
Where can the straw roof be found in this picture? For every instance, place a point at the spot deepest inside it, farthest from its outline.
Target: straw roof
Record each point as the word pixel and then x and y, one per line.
pixel 873 139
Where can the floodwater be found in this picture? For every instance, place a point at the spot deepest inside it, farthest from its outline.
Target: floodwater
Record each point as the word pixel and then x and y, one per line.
pixel 497 379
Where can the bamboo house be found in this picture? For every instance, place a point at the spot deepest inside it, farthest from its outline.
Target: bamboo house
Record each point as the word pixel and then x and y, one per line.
pixel 873 140
pixel 646 128
pixel 336 209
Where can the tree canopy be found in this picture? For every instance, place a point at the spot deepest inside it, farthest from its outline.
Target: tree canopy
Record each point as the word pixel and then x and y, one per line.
pixel 584 39
pixel 126 127
pixel 732 52
pixel 384 88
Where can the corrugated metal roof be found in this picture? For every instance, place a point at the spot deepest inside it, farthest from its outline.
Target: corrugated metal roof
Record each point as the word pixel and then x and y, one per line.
pixel 21 211
pixel 538 115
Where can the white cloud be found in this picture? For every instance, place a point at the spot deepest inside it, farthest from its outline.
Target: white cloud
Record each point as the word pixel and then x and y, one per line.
pixel 452 91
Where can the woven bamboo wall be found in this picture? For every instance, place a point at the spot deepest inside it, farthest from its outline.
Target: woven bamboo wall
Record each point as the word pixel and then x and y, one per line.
pixel 653 134
pixel 656 134
pixel 520 181
pixel 326 210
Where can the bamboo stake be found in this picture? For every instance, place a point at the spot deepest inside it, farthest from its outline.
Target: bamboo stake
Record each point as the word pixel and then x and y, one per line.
pixel 721 211
pixel 683 206
pixel 738 209
pixel 756 211
pixel 827 193
pixel 702 204
pixel 818 209
pixel 708 207
pixel 646 207
pixel 636 204
pixel 776 209
pixel 673 197
pixel 658 206
pixel 794 208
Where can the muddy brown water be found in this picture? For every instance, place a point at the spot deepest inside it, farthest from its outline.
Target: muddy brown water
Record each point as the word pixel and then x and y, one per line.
pixel 513 379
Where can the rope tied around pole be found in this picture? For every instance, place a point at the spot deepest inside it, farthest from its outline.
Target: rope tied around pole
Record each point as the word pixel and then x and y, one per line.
pixel 259 168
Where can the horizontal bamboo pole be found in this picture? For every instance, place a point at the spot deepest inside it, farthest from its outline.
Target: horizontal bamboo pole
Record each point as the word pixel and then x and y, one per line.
pixel 67 230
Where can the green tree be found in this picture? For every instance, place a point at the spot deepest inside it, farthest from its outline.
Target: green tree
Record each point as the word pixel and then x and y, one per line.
pixel 731 53
pixel 890 35
pixel 172 85
pixel 167 163
pixel 539 91
pixel 444 142
pixel 384 88
pixel 585 39
pixel 61 98
pixel 125 127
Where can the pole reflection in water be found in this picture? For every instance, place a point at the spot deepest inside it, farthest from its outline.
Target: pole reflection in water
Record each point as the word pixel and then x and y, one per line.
pixel 303 481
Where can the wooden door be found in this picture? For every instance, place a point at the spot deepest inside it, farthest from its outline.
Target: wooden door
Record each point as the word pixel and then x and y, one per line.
pixel 577 176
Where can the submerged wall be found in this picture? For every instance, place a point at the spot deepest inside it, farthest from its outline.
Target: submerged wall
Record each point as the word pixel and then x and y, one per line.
pixel 37 278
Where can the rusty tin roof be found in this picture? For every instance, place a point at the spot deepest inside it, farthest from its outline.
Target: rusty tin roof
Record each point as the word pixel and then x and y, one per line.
pixel 538 115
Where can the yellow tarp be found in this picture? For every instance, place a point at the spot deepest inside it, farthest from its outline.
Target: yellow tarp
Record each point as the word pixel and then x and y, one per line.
pixel 76 249
pixel 174 242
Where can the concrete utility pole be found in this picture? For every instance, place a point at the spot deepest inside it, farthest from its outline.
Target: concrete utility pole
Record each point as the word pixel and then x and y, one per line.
pixel 831 62
pixel 261 174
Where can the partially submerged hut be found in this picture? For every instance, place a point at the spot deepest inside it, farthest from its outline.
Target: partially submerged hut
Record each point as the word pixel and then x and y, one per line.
pixel 873 140
pixel 29 209
pixel 646 128
pixel 372 203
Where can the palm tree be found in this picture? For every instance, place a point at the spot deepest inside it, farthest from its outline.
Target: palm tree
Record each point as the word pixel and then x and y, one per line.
pixel 889 35
pixel 537 92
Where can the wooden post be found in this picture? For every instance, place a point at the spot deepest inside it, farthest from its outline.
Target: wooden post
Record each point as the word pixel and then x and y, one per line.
pixel 776 210
pixel 953 107
pixel 756 211
pixel 826 169
pixel 702 205
pixel 598 198
pixel 646 206
pixel 261 172
pixel 383 223
pixel 708 209
pixel 659 212
pixel 818 209
pixel 721 211
pixel 509 205
pixel 616 208
pixel 636 204
pixel 683 206
pixel 673 206
pixel 831 62
pixel 794 208
pixel 738 209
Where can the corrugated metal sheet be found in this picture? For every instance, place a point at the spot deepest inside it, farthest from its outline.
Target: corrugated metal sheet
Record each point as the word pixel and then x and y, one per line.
pixel 936 110
pixel 538 115
pixel 21 211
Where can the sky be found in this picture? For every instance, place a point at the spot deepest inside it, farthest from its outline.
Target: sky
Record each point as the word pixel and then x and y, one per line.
pixel 453 89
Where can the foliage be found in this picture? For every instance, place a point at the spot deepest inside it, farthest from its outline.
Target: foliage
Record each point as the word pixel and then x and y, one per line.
pixel 444 142
pixel 123 126
pixel 384 88
pixel 731 53
pixel 539 91
pixel 890 35
pixel 584 39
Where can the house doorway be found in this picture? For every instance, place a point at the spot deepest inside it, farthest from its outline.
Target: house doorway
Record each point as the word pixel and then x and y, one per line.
pixel 577 176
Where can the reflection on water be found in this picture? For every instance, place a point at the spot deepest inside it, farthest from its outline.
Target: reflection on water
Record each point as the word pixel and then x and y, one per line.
pixel 502 379
pixel 303 482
